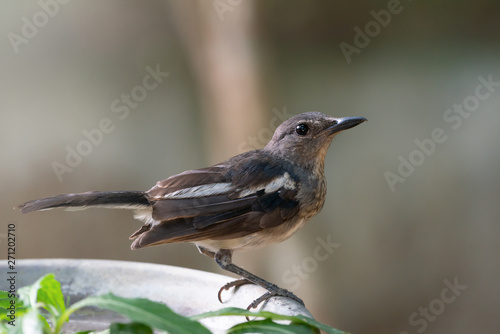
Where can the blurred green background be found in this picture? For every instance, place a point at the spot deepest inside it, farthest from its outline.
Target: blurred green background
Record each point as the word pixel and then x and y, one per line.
pixel 234 68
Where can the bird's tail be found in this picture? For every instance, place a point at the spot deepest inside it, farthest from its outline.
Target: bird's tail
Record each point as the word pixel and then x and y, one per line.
pixel 113 199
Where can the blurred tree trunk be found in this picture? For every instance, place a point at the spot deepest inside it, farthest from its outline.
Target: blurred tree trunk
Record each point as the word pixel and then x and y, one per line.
pixel 218 38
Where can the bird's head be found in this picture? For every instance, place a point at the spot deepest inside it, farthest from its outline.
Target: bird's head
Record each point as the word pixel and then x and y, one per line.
pixel 305 138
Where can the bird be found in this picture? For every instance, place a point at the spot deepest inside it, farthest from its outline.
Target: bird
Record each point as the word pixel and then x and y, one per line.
pixel 251 200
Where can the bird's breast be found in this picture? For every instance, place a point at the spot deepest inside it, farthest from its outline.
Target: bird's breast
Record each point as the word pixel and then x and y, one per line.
pixel 312 196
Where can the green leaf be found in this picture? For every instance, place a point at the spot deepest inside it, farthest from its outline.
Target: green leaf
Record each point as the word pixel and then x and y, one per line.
pixel 298 319
pixel 5 302
pixel 6 306
pixel 153 314
pixel 269 327
pixel 4 315
pixel 51 295
pixel 46 290
pixel 132 328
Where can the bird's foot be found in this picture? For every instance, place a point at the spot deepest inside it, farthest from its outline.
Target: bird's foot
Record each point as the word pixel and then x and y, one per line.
pixel 236 284
pixel 274 291
pixel 278 292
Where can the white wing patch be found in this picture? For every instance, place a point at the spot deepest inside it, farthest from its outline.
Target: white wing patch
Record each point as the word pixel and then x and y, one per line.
pixel 199 191
pixel 212 189
pixel 282 182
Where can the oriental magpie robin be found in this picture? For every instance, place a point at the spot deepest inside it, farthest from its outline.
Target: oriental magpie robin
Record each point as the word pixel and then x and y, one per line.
pixel 250 200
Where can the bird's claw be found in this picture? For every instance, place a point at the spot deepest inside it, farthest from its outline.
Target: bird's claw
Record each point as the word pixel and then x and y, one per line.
pixel 265 297
pixel 236 284
pixel 277 292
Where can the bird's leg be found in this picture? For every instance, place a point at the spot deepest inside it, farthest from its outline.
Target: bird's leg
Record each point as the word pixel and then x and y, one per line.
pixel 224 259
pixel 235 284
pixel 206 252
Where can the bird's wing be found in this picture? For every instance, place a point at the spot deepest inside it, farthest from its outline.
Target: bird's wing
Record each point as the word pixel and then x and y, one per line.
pixel 210 203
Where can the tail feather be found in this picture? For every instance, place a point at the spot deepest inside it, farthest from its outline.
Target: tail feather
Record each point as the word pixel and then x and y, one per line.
pixel 113 199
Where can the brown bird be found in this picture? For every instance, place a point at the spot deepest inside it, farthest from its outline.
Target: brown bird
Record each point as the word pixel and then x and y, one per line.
pixel 251 200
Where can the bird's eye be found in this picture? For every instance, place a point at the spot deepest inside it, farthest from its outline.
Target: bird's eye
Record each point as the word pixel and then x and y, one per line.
pixel 302 129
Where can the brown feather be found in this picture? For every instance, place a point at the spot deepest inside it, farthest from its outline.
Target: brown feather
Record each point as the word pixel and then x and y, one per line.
pixel 191 207
pixel 187 179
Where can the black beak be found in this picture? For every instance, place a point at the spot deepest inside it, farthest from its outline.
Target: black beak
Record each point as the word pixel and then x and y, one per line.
pixel 344 123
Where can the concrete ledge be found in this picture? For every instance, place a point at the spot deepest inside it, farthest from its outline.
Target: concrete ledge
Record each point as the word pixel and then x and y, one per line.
pixel 186 291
